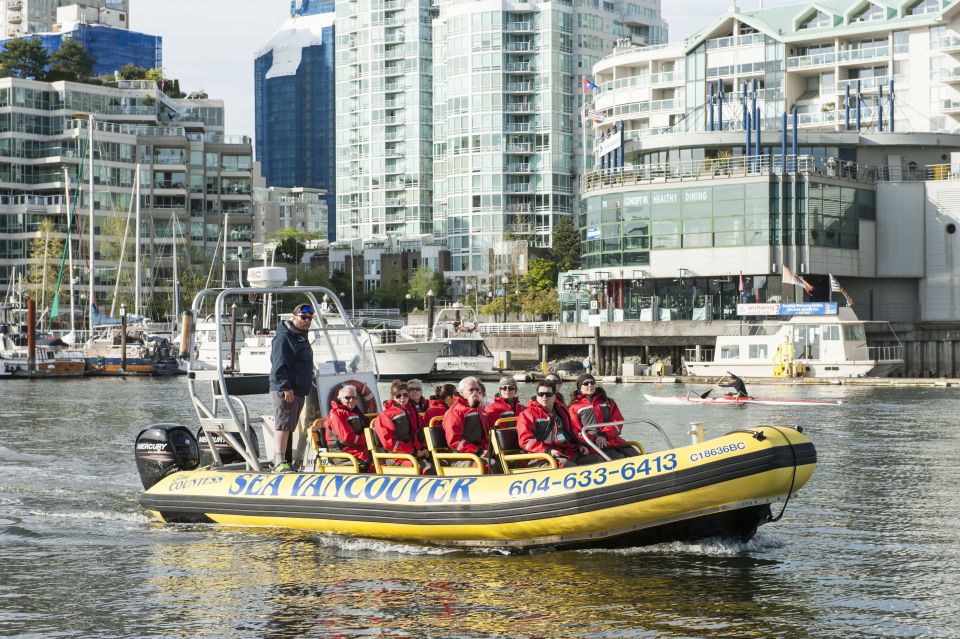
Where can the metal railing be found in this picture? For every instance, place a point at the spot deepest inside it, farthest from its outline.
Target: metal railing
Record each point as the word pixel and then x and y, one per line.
pixel 723 168
pixel 519 328
pixel 885 353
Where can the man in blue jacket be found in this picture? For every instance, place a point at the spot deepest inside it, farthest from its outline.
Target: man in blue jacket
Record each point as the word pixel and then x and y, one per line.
pixel 291 376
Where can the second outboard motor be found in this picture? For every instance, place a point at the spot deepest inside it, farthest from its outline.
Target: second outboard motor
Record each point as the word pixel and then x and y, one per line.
pixel 162 449
pixel 228 455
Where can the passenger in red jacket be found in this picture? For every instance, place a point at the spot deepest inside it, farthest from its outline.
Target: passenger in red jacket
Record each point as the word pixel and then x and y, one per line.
pixel 442 399
pixel 542 429
pixel 415 388
pixel 465 424
pixel 505 403
pixel 343 428
pixel 590 406
pixel 399 430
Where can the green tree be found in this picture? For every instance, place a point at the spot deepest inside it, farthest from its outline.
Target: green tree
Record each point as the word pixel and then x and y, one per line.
pixel 291 244
pixel 393 295
pixel 425 280
pixel 71 61
pixel 131 71
pixel 45 252
pixel 566 245
pixel 541 275
pixel 24 58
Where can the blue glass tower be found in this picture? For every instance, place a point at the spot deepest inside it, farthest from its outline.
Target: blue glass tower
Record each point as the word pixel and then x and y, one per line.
pixel 110 47
pixel 294 85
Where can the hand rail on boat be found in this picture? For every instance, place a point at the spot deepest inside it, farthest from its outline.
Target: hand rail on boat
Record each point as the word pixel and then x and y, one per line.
pixel 600 452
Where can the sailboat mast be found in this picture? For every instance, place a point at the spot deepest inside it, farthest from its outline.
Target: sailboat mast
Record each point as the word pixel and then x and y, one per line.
pixel 136 238
pixel 226 229
pixel 176 276
pixel 66 190
pixel 92 300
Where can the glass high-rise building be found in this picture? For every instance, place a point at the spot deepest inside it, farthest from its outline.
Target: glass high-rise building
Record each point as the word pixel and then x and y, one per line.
pixel 23 17
pixel 295 107
pixel 384 107
pixel 507 131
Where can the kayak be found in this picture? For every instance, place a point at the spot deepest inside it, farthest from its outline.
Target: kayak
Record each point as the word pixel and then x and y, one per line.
pixel 737 401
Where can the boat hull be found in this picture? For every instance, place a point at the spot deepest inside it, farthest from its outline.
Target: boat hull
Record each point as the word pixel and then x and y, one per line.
pixel 722 487
pixel 738 401
pixel 406 359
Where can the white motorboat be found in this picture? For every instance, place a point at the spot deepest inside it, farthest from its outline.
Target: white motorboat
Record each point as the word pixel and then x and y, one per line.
pixel 830 346
pixel 456 329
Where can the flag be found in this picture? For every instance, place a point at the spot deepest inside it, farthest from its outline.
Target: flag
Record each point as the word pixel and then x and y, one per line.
pixel 743 291
pixel 836 288
pixel 588 85
pixel 596 116
pixel 790 278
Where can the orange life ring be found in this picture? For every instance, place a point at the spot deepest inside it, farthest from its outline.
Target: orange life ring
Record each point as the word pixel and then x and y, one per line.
pixel 366 400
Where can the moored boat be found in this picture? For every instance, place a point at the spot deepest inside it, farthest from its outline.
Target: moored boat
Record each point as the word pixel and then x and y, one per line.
pixel 724 486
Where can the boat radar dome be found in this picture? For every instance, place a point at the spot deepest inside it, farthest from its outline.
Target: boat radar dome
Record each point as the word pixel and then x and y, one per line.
pixel 266 276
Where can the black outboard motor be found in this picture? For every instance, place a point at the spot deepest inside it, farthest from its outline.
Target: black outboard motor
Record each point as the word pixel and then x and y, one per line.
pixel 162 449
pixel 228 455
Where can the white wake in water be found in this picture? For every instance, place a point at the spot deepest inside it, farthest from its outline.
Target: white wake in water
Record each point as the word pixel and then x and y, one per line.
pixel 714 547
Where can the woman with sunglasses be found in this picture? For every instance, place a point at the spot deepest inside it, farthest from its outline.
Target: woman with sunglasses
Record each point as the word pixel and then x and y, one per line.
pixel 417 400
pixel 541 429
pixel 505 404
pixel 590 406
pixel 398 427
pixel 344 426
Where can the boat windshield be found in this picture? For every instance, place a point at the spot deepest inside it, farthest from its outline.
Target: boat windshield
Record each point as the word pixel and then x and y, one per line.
pixel 466 348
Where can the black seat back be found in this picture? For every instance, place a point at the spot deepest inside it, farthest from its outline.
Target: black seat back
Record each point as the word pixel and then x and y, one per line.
pixel 244 385
pixel 436 438
pixel 507 439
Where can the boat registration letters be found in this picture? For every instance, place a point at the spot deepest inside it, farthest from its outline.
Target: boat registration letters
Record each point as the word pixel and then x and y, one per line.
pixel 595 476
pixel 720 450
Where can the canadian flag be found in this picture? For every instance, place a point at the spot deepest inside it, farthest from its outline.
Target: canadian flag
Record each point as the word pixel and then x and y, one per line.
pixel 790 278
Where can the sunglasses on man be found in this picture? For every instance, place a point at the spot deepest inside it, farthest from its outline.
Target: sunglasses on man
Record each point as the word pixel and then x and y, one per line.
pixel 547 394
pixel 508 388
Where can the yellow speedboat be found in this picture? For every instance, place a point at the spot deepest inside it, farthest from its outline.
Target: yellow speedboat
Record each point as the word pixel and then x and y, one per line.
pixel 724 486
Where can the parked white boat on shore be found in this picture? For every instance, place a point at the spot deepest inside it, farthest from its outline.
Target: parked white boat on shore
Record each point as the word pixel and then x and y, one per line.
pixel 829 346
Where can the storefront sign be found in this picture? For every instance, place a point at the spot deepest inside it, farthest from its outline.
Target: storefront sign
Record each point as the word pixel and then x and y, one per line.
pixel 800 308
pixel 593 233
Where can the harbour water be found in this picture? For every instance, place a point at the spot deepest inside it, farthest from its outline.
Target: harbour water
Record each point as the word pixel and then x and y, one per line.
pixel 870 548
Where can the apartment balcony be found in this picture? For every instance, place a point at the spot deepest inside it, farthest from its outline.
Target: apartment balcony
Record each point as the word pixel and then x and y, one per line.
pixel 518 67
pixel 522 187
pixel 827 58
pixel 397 136
pixel 949 44
pixel 394 38
pixel 394 21
pixel 391 70
pixel 394 104
pixel 948 76
pixel 14 18
pixel 856 56
pixel 519 87
pixel 393 87
pixel 518 127
pixel 393 53
pixel 393 5
pixel 518 107
pixel 518 208
pixel 518 47
pixel 518 168
pixel 867 85
pixel 518 27
pixel 14 6
pixel 519 147
pixel 394 153
pixel 395 201
pixel 392 119
pixel 950 107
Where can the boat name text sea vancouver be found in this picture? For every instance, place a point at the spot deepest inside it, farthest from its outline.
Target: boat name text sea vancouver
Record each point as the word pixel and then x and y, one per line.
pixel 393 489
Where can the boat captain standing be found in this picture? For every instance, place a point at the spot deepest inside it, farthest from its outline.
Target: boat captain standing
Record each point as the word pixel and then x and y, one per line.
pixel 291 376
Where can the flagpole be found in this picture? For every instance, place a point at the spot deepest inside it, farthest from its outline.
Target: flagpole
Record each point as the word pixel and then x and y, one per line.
pixel 830 295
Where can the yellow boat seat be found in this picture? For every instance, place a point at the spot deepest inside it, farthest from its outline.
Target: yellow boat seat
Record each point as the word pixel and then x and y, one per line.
pixel 506 446
pixel 382 459
pixel 442 455
pixel 324 457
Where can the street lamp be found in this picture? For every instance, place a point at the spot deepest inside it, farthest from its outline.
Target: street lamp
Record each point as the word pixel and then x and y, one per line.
pixel 406 304
pixel 469 288
pixel 504 280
